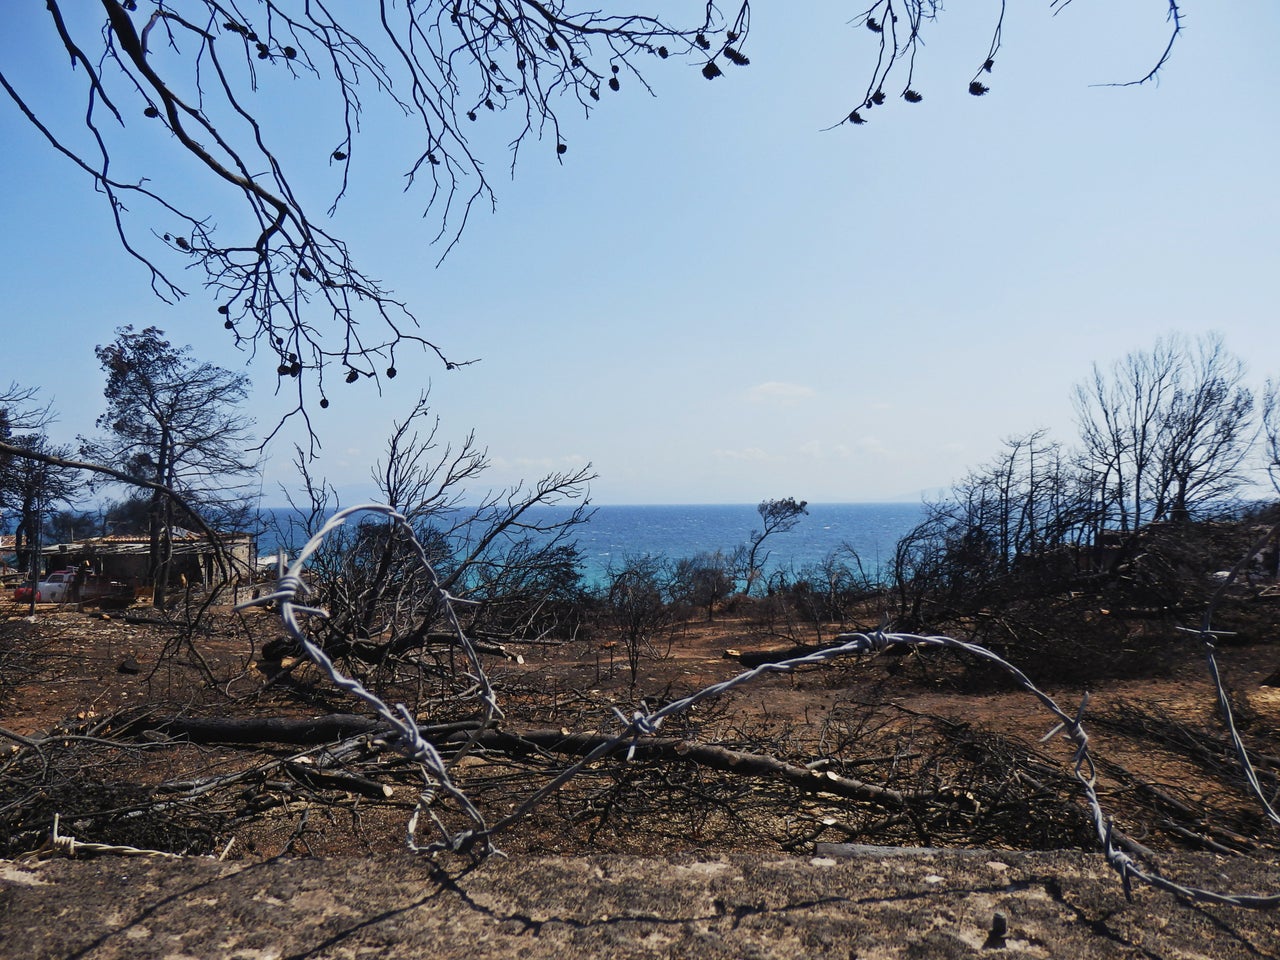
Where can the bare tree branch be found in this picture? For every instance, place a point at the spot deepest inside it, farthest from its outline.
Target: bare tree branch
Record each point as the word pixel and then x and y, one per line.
pixel 283 282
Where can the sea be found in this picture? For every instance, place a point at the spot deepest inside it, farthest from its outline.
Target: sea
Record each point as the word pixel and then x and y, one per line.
pixel 617 534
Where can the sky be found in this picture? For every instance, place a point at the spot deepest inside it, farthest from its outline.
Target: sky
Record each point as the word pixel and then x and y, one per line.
pixel 712 297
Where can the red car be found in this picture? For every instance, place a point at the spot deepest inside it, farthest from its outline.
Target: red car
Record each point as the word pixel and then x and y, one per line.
pixel 22 594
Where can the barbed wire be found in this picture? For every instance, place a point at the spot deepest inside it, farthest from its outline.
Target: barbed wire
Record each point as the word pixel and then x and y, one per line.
pixel 291 588
pixel 69 846
pixel 1208 641
pixel 479 837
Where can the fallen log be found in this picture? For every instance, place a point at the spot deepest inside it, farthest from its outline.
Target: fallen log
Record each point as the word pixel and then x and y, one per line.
pixel 707 755
pixel 292 730
pixel 338 780
pixel 309 731
pixel 517 744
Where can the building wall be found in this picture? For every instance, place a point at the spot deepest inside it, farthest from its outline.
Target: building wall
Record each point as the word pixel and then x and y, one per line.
pixel 126 560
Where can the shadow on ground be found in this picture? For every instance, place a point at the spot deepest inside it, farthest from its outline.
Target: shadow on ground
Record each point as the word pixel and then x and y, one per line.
pixel 877 905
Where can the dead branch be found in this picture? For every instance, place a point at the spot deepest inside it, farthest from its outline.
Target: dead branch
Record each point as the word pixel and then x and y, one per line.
pixel 664 749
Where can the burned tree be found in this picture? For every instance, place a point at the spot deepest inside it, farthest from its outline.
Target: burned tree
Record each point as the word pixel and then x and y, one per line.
pixel 638 608
pixel 776 516
pixel 508 556
pixel 1010 530
pixel 1207 435
pixel 205 71
pixel 900 28
pixel 1271 432
pixel 1165 431
pixel 30 487
pixel 704 580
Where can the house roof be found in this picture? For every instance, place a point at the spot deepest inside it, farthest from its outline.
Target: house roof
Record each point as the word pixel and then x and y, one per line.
pixel 184 542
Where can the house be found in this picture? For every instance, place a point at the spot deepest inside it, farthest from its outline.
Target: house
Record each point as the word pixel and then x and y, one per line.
pixel 124 558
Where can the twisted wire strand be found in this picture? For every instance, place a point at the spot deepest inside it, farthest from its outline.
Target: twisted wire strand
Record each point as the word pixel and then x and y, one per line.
pixel 291 588
pixel 69 846
pixel 1208 641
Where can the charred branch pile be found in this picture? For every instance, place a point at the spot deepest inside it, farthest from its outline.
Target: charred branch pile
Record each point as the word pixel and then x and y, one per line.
pixel 428 731
pixel 871 774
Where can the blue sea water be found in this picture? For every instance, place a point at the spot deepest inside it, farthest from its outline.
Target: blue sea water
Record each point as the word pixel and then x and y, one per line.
pixel 618 533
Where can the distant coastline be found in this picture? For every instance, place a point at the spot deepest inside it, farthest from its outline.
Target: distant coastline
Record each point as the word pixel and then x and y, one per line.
pixel 618 532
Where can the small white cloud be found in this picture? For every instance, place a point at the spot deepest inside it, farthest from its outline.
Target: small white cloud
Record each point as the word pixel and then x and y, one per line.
pixel 776 391
pixel 816 450
pixel 527 466
pixel 349 458
pixel 873 445
pixel 754 454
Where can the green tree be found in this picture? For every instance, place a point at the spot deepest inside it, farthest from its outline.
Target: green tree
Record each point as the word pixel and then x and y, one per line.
pixel 174 421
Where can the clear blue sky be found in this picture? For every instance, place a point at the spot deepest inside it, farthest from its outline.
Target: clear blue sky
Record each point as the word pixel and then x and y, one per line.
pixel 713 300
